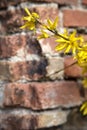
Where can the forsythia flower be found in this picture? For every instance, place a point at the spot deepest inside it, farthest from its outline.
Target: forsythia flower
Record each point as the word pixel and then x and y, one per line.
pixel 84 108
pixel 51 25
pixel 69 42
pixel 85 82
pixel 43 35
pixel 31 20
pixel 82 57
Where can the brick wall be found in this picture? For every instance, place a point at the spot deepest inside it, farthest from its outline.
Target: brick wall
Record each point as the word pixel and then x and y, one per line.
pixel 32 96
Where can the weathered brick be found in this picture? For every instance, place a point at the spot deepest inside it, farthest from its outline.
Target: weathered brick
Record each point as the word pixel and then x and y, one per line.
pixel 31 69
pixel 9 45
pixel 28 70
pixel 43 95
pixel 12 45
pixel 49 11
pixel 73 18
pixel 11 20
pixel 55 64
pixel 21 119
pixel 71 2
pixel 73 71
pixel 33 46
pixel 48 45
pixel 84 2
pixel 6 3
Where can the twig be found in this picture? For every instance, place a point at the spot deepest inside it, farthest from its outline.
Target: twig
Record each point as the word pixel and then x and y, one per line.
pixel 63 68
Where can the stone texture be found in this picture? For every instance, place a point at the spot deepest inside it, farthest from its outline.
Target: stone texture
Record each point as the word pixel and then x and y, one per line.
pixel 74 71
pixel 43 95
pixel 18 119
pixel 75 18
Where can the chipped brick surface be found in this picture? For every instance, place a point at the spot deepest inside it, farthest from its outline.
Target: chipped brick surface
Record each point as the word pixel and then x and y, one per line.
pixel 28 120
pixel 11 20
pixel 9 45
pixel 35 90
pixel 28 70
pixel 44 95
pixel 6 3
pixel 19 45
pixel 70 2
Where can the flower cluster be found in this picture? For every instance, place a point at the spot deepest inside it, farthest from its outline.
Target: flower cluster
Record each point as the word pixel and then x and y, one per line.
pixel 67 42
pixel 31 20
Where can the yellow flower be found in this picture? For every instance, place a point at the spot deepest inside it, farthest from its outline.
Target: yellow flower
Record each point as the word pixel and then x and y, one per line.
pixel 69 42
pixel 31 20
pixel 82 57
pixel 43 35
pixel 85 82
pixel 51 25
pixel 84 108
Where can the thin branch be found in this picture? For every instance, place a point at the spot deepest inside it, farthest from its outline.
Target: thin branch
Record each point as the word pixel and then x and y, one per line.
pixel 53 31
pixel 63 68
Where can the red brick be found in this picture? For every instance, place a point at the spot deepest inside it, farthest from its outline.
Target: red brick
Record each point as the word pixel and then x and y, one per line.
pixel 46 12
pixel 31 69
pixel 10 45
pixel 11 20
pixel 73 71
pixel 28 70
pixel 72 2
pixel 48 45
pixel 24 119
pixel 84 2
pixel 74 18
pixel 43 95
pixel 5 3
